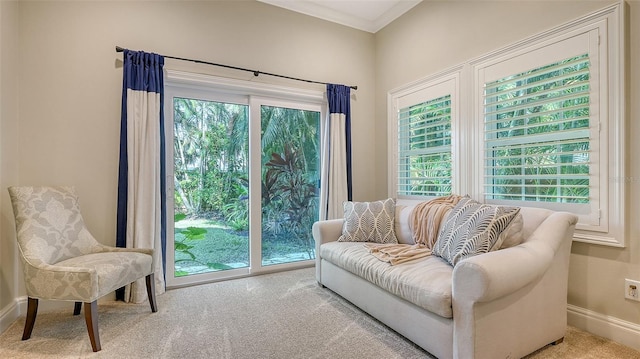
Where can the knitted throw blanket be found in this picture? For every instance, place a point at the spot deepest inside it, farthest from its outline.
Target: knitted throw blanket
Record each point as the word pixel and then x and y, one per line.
pixel 424 221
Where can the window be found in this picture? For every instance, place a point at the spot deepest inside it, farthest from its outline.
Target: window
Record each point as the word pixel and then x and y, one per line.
pixel 537 134
pixel 424 148
pixel 425 113
pixel 552 126
pixel 541 127
pixel 538 123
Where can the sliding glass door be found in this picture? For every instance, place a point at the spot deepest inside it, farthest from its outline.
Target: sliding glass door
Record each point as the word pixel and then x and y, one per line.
pixel 290 183
pixel 210 176
pixel 245 183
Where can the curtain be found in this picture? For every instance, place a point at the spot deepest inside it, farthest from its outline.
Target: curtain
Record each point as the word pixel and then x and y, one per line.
pixel 141 216
pixel 336 182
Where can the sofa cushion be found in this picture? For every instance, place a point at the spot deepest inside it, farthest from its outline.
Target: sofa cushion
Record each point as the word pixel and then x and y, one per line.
pixel 513 234
pixel 369 222
pixel 402 228
pixel 425 282
pixel 472 228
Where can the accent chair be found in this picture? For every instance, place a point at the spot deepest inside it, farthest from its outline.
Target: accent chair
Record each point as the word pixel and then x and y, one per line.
pixel 61 260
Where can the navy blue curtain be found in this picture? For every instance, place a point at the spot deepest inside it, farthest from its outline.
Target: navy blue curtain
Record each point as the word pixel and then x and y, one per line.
pixel 141 72
pixel 339 98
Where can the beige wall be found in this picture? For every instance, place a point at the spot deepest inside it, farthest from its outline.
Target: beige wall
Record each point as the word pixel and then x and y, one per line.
pixel 70 83
pixel 61 82
pixel 8 149
pixel 71 80
pixel 437 35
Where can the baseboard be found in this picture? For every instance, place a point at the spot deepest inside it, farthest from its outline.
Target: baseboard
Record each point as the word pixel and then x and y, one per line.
pixel 18 308
pixel 8 315
pixel 43 305
pixel 609 327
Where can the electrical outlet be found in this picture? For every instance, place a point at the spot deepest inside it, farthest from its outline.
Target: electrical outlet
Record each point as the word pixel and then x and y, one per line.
pixel 632 289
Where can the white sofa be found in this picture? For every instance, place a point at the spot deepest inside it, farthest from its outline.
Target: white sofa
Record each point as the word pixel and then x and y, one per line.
pixel 502 304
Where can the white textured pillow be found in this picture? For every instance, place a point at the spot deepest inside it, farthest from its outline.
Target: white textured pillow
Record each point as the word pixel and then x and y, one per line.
pixel 402 228
pixel 472 228
pixel 369 222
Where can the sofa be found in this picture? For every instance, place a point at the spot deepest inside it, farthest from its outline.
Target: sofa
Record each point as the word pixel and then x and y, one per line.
pixel 505 303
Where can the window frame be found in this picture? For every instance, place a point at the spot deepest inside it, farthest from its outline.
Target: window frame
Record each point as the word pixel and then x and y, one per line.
pixel 468 128
pixel 559 46
pixel 609 115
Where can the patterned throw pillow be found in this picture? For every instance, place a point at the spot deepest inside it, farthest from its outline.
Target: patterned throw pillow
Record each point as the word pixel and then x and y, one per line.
pixel 369 222
pixel 472 228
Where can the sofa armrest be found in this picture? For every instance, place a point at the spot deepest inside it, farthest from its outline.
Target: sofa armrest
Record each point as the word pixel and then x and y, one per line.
pixel 492 275
pixel 516 295
pixel 324 232
pixel 327 231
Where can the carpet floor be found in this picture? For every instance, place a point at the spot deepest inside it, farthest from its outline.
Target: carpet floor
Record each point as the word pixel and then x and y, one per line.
pixel 282 315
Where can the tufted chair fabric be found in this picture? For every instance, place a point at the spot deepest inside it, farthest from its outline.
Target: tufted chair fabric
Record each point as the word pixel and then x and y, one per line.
pixel 61 260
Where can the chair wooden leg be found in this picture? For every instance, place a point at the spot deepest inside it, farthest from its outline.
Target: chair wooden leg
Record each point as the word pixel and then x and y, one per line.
pixel 91 317
pixel 151 292
pixel 77 308
pixel 32 311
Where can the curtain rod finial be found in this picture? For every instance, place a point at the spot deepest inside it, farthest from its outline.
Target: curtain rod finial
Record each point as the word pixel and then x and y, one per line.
pixel 119 49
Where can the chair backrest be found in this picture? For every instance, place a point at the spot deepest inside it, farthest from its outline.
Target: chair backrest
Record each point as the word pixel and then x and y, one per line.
pixel 49 225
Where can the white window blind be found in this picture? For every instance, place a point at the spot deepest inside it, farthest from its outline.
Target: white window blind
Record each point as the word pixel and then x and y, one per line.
pixel 537 134
pixel 542 135
pixel 424 143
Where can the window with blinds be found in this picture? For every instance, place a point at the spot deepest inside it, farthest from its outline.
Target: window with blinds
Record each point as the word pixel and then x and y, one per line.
pixel 537 123
pixel 537 134
pixel 544 132
pixel 424 148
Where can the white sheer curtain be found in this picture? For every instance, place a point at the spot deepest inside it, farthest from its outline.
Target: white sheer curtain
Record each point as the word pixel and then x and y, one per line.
pixel 141 207
pixel 335 186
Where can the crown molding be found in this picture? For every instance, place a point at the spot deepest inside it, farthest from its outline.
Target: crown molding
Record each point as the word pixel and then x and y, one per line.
pixel 316 9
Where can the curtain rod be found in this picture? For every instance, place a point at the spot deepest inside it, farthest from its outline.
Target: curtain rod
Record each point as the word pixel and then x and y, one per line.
pixel 255 72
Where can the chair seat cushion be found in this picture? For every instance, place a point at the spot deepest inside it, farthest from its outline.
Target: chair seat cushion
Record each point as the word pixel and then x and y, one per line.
pixel 113 269
pixel 425 282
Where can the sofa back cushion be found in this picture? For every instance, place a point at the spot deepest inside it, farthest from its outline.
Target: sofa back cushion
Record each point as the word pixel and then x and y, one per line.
pixel 532 219
pixel 402 220
pixel 513 234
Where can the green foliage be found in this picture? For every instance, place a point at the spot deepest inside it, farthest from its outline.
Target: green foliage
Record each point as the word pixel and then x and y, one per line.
pixel 427 148
pixel 539 122
pixel 289 198
pixel 210 153
pixel 211 179
pixel 541 112
pixel 237 214
pixel 183 243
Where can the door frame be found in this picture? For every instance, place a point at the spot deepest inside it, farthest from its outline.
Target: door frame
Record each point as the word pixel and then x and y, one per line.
pixel 252 94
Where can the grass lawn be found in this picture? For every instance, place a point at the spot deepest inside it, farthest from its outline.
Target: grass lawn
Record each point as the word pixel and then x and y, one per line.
pixel 222 247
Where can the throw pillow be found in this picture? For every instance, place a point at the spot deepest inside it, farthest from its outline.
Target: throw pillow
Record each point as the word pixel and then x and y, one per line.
pixel 369 222
pixel 472 228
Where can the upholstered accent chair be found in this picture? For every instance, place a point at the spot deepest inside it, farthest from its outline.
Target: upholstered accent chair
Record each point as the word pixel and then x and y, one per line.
pixel 61 260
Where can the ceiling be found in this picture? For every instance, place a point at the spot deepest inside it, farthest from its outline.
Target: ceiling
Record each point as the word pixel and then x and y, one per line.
pixel 366 15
